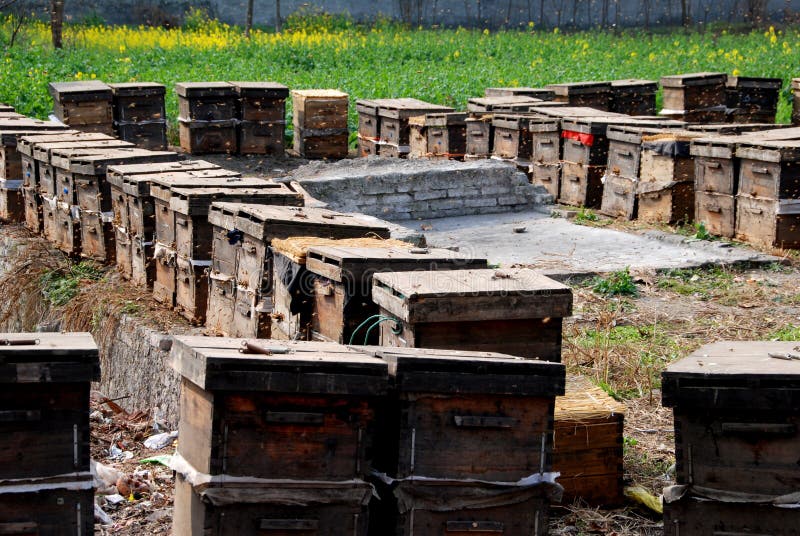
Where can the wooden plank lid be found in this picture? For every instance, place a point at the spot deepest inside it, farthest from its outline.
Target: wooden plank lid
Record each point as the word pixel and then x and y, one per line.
pixel 693 79
pixel 88 90
pixel 48 358
pixel 218 363
pixel 736 375
pixel 138 89
pixel 264 90
pixel 467 372
pixel 201 90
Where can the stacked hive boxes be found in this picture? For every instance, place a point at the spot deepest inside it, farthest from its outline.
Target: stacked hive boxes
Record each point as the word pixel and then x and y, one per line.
pixel 262 117
pixel 274 445
pixel 134 210
pixel 438 136
pixel 633 97
pixel 768 198
pixel 752 100
pixel 479 124
pixel 46 485
pixel 139 114
pixel 184 234
pixel 85 106
pixel 590 94
pixel 319 118
pixel 207 117
pixel 695 97
pixel 13 180
pixel 736 434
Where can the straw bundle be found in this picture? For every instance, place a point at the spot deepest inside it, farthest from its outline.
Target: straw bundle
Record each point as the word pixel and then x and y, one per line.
pixel 584 401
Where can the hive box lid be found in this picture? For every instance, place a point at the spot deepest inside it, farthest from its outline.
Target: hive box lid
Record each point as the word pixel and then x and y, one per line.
pixel 488 104
pixel 10 138
pixel 89 90
pixel 199 90
pixel 407 107
pixel 635 83
pixel 578 88
pixel 354 265
pixel 138 89
pixel 48 358
pixel 754 82
pixel 535 92
pixel 737 375
pixel 162 184
pixel 9 124
pixel 117 173
pixel 197 201
pixel 139 185
pixel 216 364
pixel 264 90
pixel 574 111
pixel 769 150
pixel 27 142
pixel 471 295
pixel 58 153
pixel 371 106
pixel 96 164
pixel 693 79
pixel 466 372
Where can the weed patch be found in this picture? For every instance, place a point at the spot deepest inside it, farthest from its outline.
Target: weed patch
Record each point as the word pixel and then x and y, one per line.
pixel 618 283
pixel 61 285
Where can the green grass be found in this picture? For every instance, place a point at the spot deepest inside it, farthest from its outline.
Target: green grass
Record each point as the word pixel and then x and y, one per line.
pixel 619 283
pixel 384 60
pixel 787 333
pixel 60 286
pixel 703 284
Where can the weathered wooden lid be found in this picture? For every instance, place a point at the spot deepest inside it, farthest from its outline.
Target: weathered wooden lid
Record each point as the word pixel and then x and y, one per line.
pixel 96 164
pixel 633 133
pixel 636 83
pixel 471 295
pixel 139 185
pixel 693 79
pixel 371 106
pixel 263 90
pixel 535 92
pixel 196 201
pixel 769 150
pixel 48 358
pixel 573 111
pixel 161 185
pixel 735 375
pixel 597 124
pixel 407 107
pixel 754 82
pixel 454 372
pixel 126 170
pixel 47 152
pixel 488 104
pixel 203 90
pixel 89 90
pixel 216 364
pixel 355 265
pixel 10 138
pixel 138 89
pixel 579 88
pixel 12 124
pixel 440 119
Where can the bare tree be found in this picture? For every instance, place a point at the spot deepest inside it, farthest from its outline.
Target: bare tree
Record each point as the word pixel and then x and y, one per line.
pixel 248 22
pixel 20 15
pixel 686 18
pixel 57 22
pixel 277 15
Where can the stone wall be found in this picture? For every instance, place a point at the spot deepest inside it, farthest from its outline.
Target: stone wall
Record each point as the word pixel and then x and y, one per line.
pixel 398 190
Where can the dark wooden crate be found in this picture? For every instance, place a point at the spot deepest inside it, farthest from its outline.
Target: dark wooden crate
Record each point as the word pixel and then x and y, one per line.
pixel 753 97
pixel 299 509
pixel 633 97
pixel 97 236
pixel 206 101
pixel 535 92
pixel 164 259
pixel 82 104
pixel 769 169
pixel 452 412
pixel 11 165
pixel 592 94
pixel 395 131
pixel 191 289
pixel 441 136
pixel 12 204
pixel 262 101
pixel 619 197
pixel 50 512
pixel 796 101
pixel 694 91
pixel 705 116
pixel 587 444
pixel 138 102
pixel 319 109
pixel 119 204
pixel 68 229
pixel 449 509
pixel 343 283
pixel 666 203
pixel 261 137
pixel 322 143
pixel 124 252
pixel 768 222
pixel 151 135
pixel 143 264
pixel 736 417
pixel 517 313
pixel 252 314
pixel 207 137
pixel 480 136
pixel 306 413
pixel 693 515
pixel 33 210
pixel 717 212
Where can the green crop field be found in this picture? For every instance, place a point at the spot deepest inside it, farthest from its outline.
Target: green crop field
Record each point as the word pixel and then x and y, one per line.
pixel 383 60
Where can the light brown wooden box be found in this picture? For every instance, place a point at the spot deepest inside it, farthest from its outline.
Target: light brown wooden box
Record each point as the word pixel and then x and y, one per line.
pixel 124 252
pixel 768 222
pixel 619 197
pixel 33 210
pixel 49 227
pixel 480 136
pixel 438 136
pixel 671 202
pixel 343 282
pixel 97 236
pixel 769 169
pixel 736 417
pixel 694 91
pixel 512 137
pixel 208 137
pixel 369 125
pixel 12 204
pixel 395 132
pixel 518 313
pixel 85 105
pixel 67 229
pixel 319 109
pixel 143 264
pixel 165 259
pixel 717 212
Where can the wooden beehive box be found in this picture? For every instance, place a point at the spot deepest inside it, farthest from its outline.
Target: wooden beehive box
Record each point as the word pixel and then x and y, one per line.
pixel 716 212
pixel 206 101
pixel 319 118
pixel 694 97
pixel 438 136
pixel 46 380
pixel 139 114
pixel 666 157
pixel 208 137
pixel 480 137
pixel 592 94
pixel 512 137
pixel 587 445
pixel 395 132
pixel 85 105
pixel 670 202
pixel 342 278
pixel 768 222
pixel 633 96
pixel 479 106
pixel 736 408
pixel 752 99
pixel 515 311
pixel 296 424
pixel 545 135
pixel 10 158
pixel 534 92
pixel 225 244
pixel 26 143
pixel 369 125
pixel 769 169
pixel 453 411
pixel 796 101
pixel 262 114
